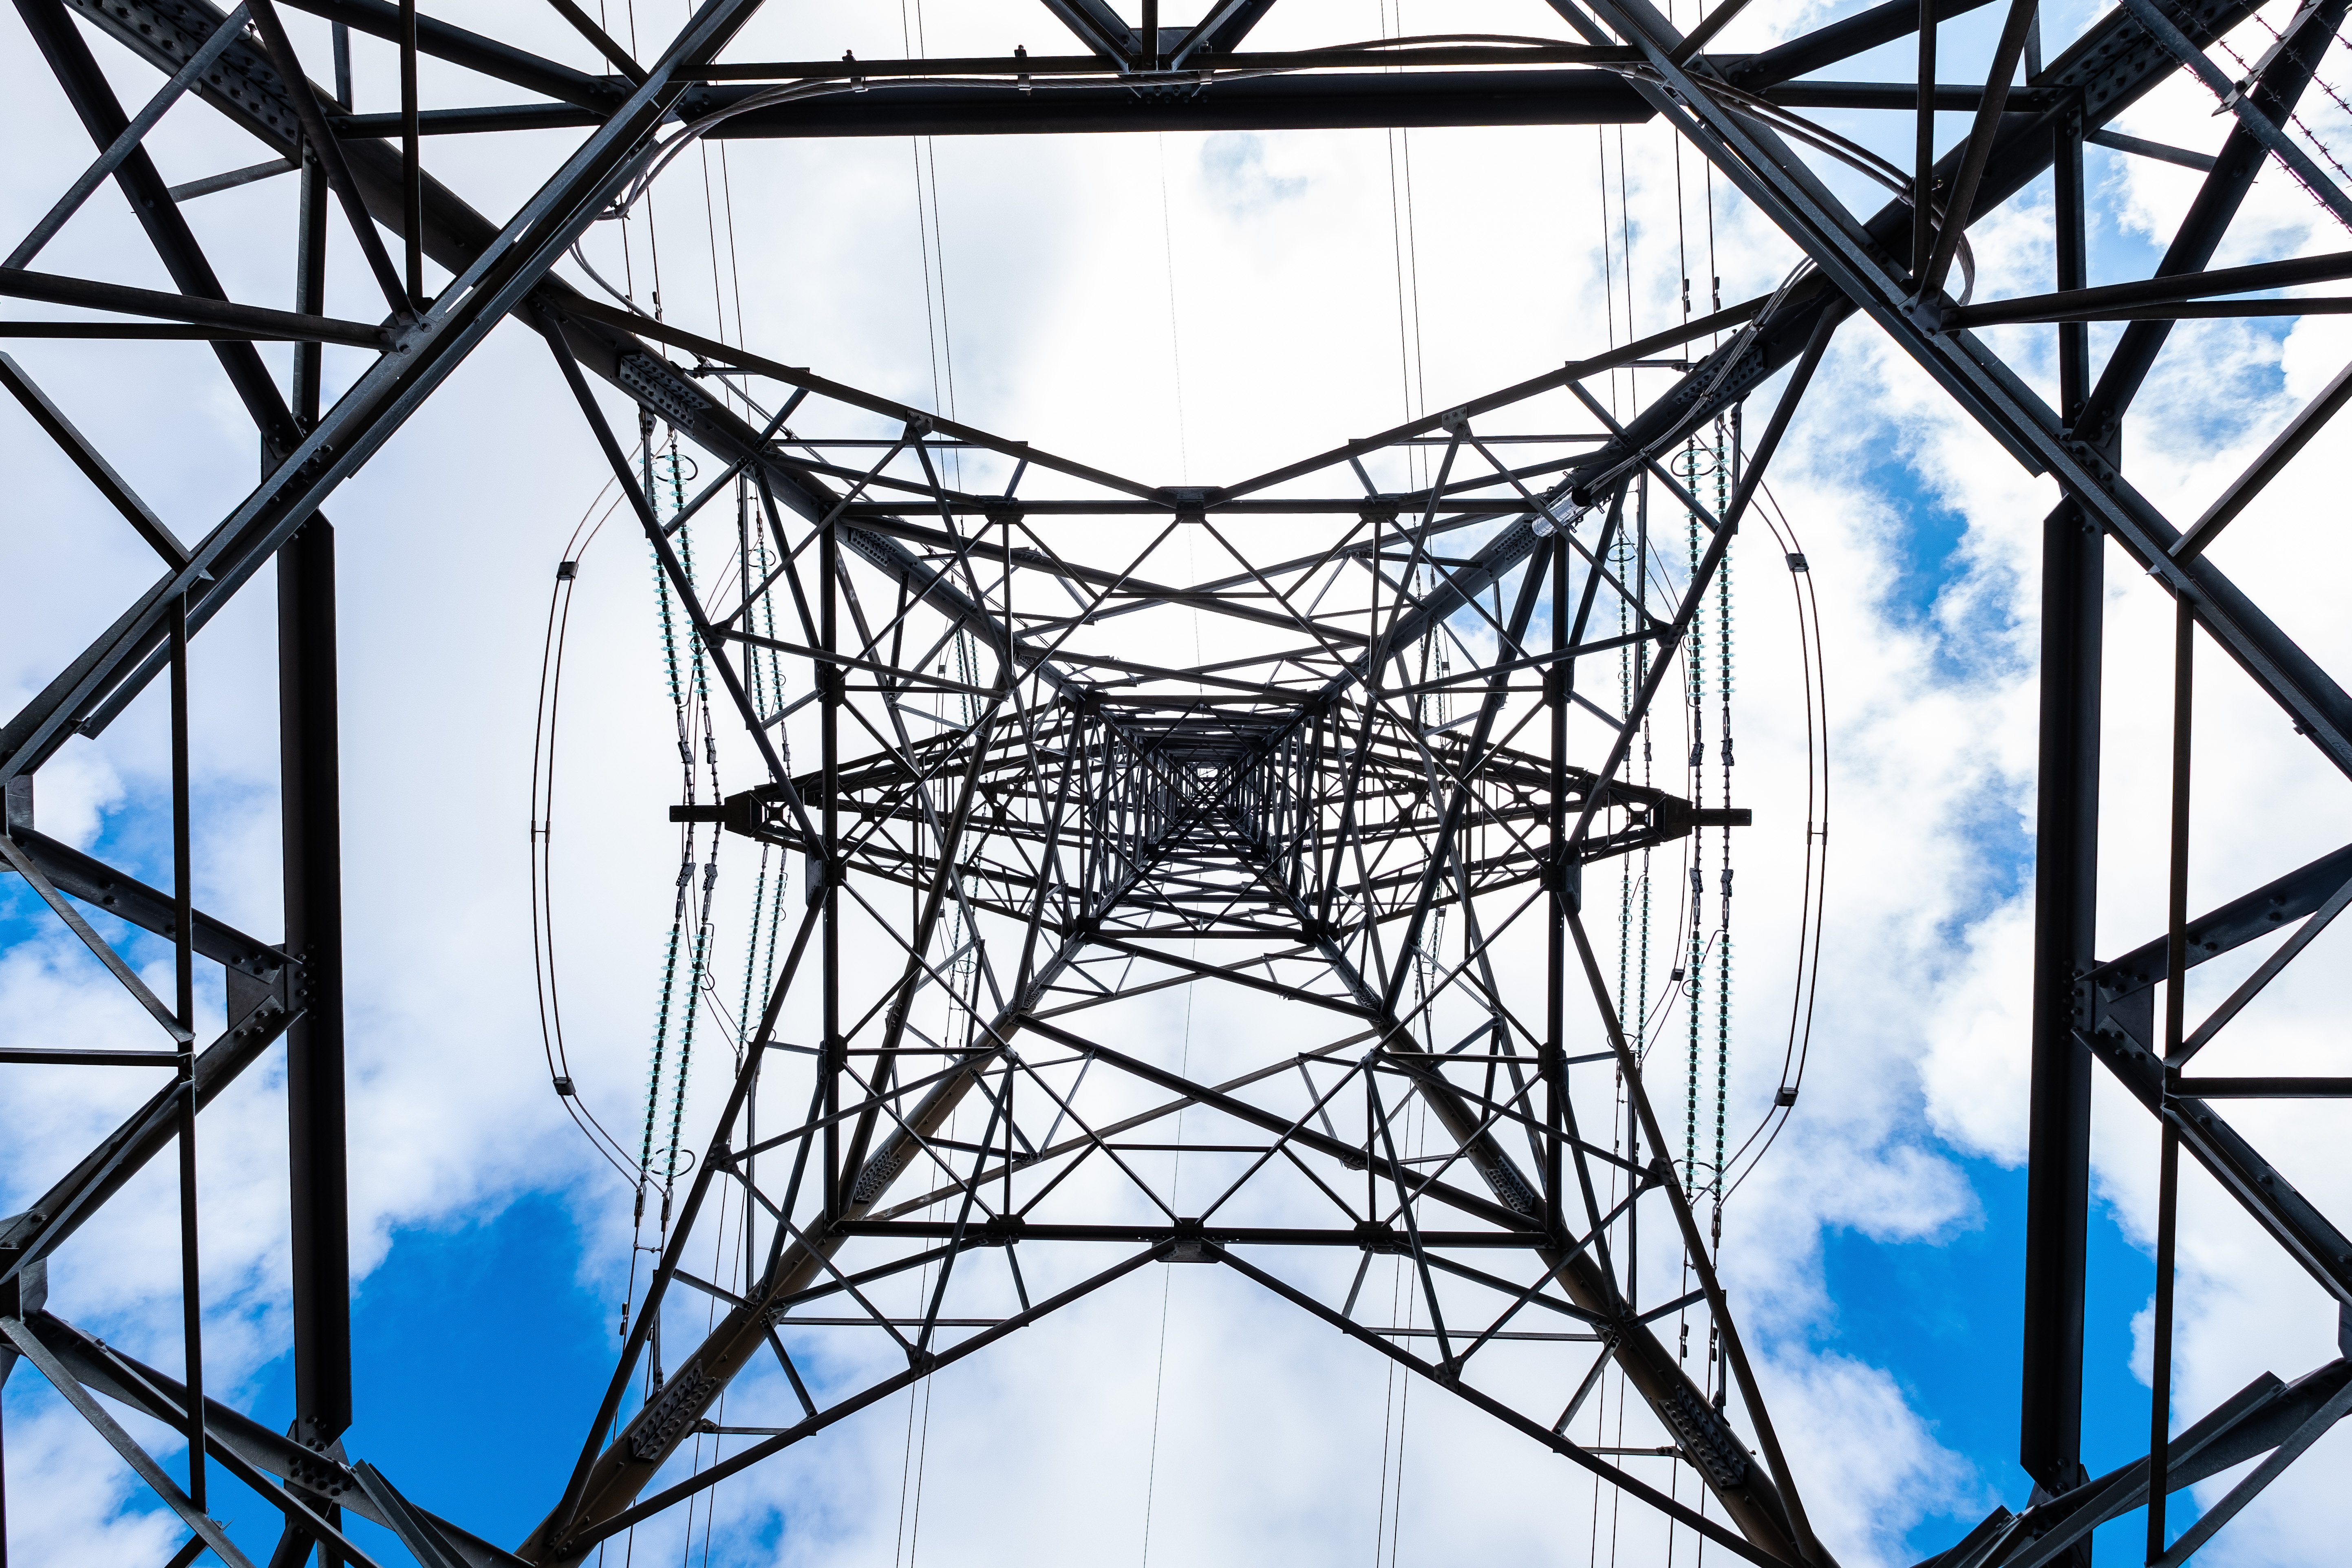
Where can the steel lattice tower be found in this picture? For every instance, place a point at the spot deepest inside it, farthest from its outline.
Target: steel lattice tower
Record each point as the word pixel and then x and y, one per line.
pixel 1080 821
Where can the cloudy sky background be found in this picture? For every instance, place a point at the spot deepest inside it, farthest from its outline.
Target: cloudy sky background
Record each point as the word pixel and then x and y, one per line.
pixel 1184 308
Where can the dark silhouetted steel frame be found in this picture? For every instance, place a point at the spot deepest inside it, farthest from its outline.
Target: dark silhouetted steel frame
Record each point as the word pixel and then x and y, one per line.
pixel 1123 802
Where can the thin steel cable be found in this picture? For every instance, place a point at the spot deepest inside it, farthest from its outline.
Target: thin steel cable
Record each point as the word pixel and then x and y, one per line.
pixel 1405 255
pixel 1168 1279
pixel 1813 664
pixel 1175 336
pixel 544 730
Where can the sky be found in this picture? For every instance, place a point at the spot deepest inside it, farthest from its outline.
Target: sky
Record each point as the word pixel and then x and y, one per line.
pixel 1188 307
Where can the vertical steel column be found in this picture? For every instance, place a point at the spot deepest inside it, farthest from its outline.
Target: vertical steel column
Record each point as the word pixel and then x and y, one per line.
pixel 2066 866
pixel 831 683
pixel 20 1295
pixel 2160 1418
pixel 412 162
pixel 309 787
pixel 184 955
pixel 2175 976
pixel 2071 265
pixel 1555 1071
pixel 1923 176
pixel 310 792
pixel 310 296
pixel 342 52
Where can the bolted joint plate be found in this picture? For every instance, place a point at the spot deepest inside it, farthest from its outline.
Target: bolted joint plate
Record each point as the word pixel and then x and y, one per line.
pixel 679 1403
pixel 1707 1439
pixel 661 389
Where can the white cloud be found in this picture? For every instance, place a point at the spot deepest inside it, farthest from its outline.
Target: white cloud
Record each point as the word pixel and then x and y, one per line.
pixel 1888 1466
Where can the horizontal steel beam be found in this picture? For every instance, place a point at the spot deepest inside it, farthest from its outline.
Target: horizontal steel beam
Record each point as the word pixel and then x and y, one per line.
pixel 1865 30
pixel 2264 1087
pixel 488 56
pixel 2267 909
pixel 2117 142
pixel 1375 1237
pixel 95 883
pixel 27 1237
pixel 1012 68
pixel 53 289
pixel 1337 101
pixel 1901 95
pixel 2154 290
